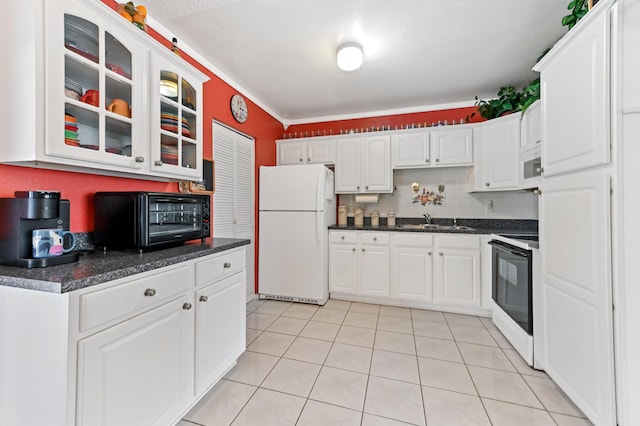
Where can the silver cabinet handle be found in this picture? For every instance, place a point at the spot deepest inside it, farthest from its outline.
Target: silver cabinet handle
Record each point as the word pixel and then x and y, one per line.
pixel 309 160
pixel 150 292
pixel 437 160
pixel 487 184
pixel 366 187
pixel 226 265
pixel 353 249
pixel 375 238
pixel 363 250
pixel 301 160
pixel 203 298
pixel 426 161
pixel 429 253
pixel 358 188
pixel 139 159
pixel 158 163
pixel 342 237
pixel 441 254
pixel 186 306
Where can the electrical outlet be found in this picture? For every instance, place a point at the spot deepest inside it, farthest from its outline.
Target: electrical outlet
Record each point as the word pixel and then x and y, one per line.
pixel 489 206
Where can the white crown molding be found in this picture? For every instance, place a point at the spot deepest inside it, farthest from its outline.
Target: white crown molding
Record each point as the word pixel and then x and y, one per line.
pixel 382 113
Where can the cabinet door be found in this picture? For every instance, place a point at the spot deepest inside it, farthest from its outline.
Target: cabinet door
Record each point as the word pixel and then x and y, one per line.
pixel 348 165
pixel 411 268
pixel 377 173
pixel 343 268
pixel 530 127
pixel 139 372
pixel 292 152
pixel 321 151
pixel 577 313
pixel 452 147
pixel 410 150
pixel 374 270
pixel 176 120
pixel 499 142
pixel 95 111
pixel 457 277
pixel 575 97
pixel 220 329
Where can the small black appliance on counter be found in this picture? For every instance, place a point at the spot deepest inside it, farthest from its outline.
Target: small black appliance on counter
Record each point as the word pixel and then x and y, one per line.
pixel 148 220
pixel 19 216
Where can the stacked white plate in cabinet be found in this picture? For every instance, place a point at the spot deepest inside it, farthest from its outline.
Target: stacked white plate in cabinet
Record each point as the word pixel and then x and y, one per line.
pixel 72 89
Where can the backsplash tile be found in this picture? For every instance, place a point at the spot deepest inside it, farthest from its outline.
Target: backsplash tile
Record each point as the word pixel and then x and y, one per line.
pixel 459 202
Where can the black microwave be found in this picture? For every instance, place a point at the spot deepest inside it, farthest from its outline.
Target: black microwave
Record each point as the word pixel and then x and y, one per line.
pixel 147 220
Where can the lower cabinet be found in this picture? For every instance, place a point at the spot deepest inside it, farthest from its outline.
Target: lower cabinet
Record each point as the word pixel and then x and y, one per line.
pixel 138 372
pixel 423 270
pixel 220 328
pixel 139 350
pixel 359 263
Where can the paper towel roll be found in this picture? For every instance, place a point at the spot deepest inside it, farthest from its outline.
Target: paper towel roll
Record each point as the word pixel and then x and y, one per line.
pixel 367 198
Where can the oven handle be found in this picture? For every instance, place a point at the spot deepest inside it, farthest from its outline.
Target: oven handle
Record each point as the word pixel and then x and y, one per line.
pixel 508 248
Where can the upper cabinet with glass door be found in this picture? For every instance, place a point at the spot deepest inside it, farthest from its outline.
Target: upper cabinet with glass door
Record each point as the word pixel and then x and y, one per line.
pixel 95 109
pixel 176 119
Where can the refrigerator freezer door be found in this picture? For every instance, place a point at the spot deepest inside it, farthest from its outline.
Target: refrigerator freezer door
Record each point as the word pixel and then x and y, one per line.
pixel 293 257
pixel 293 188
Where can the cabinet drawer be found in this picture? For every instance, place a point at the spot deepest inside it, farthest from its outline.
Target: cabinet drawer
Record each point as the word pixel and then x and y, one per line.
pixel 459 241
pixel 219 267
pixel 375 238
pixel 409 239
pixel 343 237
pixel 125 299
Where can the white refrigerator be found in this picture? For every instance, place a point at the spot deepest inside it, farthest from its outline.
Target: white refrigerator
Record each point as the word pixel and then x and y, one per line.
pixel 297 205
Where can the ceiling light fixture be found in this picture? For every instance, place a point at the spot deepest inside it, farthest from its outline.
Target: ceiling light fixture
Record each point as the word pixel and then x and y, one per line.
pixel 349 56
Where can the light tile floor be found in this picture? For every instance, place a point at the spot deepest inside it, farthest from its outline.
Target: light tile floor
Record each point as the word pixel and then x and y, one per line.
pixel 362 364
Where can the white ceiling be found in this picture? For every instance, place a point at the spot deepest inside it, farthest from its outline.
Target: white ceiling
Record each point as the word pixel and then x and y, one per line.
pixel 418 54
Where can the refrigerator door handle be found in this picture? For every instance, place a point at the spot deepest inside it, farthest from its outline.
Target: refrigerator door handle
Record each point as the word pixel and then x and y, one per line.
pixel 319 206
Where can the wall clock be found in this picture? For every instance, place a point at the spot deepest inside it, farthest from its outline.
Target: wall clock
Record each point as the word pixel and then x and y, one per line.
pixel 239 108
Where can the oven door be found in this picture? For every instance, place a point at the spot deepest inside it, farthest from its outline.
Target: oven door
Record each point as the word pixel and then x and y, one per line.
pixel 512 282
pixel 174 218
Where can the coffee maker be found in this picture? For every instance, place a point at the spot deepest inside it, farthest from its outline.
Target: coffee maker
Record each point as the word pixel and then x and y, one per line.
pixel 19 216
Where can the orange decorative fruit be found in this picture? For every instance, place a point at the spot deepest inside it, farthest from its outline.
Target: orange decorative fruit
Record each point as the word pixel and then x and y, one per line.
pixel 142 10
pixel 126 15
pixel 139 17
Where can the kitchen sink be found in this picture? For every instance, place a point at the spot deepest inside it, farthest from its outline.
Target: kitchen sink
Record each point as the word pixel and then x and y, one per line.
pixel 435 227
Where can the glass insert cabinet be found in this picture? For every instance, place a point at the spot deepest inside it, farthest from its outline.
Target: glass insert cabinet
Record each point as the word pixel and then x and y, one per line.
pixel 116 99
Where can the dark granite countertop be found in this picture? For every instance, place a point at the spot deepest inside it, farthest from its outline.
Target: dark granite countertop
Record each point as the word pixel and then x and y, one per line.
pixel 100 266
pixel 479 226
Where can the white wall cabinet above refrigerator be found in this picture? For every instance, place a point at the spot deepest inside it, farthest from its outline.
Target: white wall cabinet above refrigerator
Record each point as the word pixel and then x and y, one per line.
pixel 315 150
pixel 363 165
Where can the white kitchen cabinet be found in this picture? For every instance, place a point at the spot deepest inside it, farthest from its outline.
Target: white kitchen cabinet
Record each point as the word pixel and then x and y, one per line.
pixel 220 328
pixel 531 127
pixel 359 263
pixel 115 130
pixel 363 165
pixel 498 143
pixel 456 270
pixel 410 149
pixel 575 95
pixel 176 119
pixel 420 270
pixel 374 264
pixel 452 146
pixel 575 245
pixel 139 350
pixel 412 267
pixel 314 150
pixel 139 371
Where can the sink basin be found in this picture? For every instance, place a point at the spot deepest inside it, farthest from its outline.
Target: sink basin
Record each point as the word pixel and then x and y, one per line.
pixel 432 226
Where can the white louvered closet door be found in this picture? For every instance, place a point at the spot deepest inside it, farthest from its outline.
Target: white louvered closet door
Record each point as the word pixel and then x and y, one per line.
pixel 234 199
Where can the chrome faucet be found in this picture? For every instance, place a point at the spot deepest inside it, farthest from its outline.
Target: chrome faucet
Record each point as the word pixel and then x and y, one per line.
pixel 427 217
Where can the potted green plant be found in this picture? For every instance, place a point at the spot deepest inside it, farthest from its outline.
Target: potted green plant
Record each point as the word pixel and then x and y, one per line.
pixel 578 9
pixel 507 101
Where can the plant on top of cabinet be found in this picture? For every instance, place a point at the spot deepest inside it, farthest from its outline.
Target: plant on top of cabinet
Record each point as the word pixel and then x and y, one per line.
pixel 578 9
pixel 509 100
